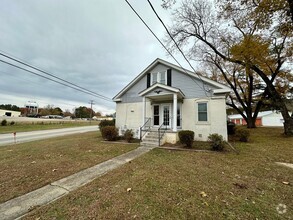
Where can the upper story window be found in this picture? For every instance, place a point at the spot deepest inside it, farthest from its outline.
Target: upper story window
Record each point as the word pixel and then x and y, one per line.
pixel 202 109
pixel 159 77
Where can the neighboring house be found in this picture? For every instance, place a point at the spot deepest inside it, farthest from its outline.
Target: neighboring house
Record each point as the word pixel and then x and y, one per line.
pixel 102 118
pixel 266 118
pixel 9 113
pixel 167 98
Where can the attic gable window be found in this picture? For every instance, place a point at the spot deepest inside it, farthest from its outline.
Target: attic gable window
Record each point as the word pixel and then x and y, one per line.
pixel 163 77
pixel 159 77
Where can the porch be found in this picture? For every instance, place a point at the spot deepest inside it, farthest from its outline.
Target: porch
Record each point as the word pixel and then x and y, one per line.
pixel 161 113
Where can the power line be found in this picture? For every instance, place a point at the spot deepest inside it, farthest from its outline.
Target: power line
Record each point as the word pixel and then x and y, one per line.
pixel 109 100
pixel 26 80
pixel 164 45
pixel 50 74
pixel 176 44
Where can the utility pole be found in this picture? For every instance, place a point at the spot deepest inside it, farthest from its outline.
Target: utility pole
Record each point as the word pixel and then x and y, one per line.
pixel 92 103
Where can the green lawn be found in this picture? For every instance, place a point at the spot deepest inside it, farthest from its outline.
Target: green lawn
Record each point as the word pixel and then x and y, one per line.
pixel 33 126
pixel 170 184
pixel 29 166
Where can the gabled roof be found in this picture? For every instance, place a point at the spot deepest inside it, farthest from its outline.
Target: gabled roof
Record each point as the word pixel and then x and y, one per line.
pixel 184 71
pixel 159 85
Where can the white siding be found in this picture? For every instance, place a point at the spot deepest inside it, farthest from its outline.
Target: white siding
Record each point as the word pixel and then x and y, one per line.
pixel 274 119
pixel 190 86
pixel 129 115
pixel 216 118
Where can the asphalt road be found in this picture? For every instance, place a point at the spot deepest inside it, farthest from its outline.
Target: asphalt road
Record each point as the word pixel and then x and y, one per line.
pixel 7 139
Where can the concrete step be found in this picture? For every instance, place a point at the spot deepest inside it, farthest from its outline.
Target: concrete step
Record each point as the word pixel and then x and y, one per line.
pixel 153 135
pixel 150 140
pixel 149 144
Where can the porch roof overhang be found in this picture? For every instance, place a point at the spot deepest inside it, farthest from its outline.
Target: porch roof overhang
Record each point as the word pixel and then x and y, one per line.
pixel 159 91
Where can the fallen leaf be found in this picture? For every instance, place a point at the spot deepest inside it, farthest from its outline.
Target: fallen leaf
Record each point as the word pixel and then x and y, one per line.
pixel 286 183
pixel 54 170
pixel 203 194
pixel 205 203
pixel 33 162
pixel 240 185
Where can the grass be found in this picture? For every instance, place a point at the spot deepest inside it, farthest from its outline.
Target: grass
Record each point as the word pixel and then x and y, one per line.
pixel 169 184
pixel 33 126
pixel 28 166
pixel 196 145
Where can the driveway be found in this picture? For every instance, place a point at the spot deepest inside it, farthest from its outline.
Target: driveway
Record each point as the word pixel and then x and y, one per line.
pixel 6 139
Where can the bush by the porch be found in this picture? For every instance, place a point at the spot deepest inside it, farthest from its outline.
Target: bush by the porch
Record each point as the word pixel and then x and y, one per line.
pixel 128 135
pixel 109 133
pixel 217 142
pixel 186 137
pixel 105 123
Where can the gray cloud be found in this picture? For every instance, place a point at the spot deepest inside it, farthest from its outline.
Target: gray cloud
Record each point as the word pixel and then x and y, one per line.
pixel 100 45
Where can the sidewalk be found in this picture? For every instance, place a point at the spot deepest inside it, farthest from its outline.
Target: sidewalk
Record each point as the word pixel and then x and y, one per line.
pixel 18 207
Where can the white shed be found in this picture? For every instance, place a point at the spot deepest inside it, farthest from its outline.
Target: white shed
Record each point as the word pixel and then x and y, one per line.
pixel 9 113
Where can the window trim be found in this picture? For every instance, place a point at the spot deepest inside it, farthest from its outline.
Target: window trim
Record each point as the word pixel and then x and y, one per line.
pixel 207 112
pixel 158 75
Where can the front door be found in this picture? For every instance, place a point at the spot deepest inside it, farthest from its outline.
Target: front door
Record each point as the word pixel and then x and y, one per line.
pixel 156 115
pixel 162 115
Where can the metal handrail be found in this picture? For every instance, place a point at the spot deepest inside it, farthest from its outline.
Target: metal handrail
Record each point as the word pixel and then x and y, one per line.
pixel 146 130
pixel 159 131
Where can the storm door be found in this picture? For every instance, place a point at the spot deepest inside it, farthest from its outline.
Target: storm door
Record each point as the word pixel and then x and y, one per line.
pixel 156 115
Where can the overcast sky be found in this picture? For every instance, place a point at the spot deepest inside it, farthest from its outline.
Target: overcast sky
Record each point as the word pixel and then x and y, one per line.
pixel 99 45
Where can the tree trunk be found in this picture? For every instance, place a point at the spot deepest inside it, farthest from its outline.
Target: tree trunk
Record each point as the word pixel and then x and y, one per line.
pixel 288 126
pixel 288 121
pixel 250 122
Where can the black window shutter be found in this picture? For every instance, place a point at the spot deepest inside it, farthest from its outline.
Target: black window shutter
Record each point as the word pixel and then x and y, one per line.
pixel 148 80
pixel 169 77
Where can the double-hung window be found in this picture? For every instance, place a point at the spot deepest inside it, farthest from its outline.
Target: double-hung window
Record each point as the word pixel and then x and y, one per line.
pixel 202 110
pixel 159 77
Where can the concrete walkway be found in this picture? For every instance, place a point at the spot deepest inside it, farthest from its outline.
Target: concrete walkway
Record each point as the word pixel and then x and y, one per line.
pixel 290 165
pixel 19 206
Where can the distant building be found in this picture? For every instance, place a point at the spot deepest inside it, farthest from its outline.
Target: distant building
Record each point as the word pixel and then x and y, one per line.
pixel 31 108
pixel 266 118
pixel 102 118
pixel 9 113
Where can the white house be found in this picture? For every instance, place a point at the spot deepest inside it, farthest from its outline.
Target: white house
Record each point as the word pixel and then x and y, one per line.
pixel 164 98
pixel 265 118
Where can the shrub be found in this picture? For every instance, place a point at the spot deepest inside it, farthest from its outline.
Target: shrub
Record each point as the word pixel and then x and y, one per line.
pixel 4 122
pixel 105 123
pixel 128 135
pixel 109 133
pixel 242 133
pixel 231 127
pixel 217 142
pixel 186 137
pixel 12 123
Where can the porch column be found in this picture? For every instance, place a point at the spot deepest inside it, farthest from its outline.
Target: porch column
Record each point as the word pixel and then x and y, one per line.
pixel 143 110
pixel 175 112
